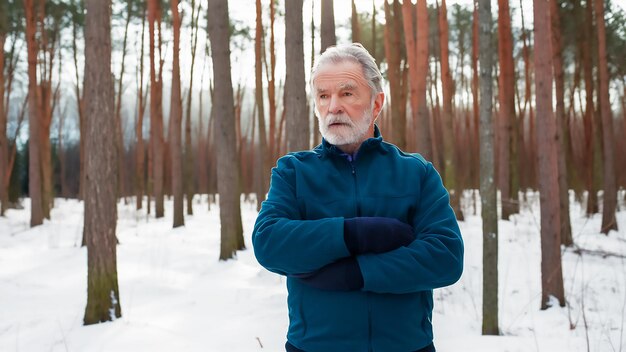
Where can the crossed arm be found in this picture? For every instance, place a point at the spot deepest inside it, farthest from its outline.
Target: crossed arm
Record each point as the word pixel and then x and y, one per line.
pixel 373 254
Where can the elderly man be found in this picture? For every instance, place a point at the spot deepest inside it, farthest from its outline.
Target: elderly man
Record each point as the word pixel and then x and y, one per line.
pixel 363 231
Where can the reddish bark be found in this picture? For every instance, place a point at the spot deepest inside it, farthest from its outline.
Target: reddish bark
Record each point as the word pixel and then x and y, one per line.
pixel 506 118
pixel 175 122
pixel 49 39
pixel 141 108
pixel 262 173
pixel 392 32
pixel 34 120
pixel 356 28
pixel 327 25
pixel 452 178
pixel 609 222
pixel 417 55
pixel 271 88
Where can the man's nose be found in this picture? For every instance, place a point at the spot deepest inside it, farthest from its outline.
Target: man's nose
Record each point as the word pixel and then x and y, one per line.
pixel 335 105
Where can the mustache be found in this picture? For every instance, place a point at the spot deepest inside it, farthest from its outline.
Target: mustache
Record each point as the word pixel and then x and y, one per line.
pixel 338 118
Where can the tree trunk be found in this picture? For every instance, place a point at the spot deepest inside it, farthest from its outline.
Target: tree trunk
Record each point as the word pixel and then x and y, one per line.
pixel 317 137
pixel 79 98
pixel 118 111
pixel 296 103
pixel 506 118
pixel 271 87
pixel 210 149
pixel 562 130
pixel 188 179
pixel 551 271
pixel 5 174
pixel 327 26
pixel 4 113
pixel 422 124
pixel 49 30
pixel 61 153
pixel 262 173
pixel 417 56
pixel 156 115
pixel 592 198
pixel 328 38
pixel 374 30
pixel 103 299
pixel 529 173
pixel 609 221
pixel 202 144
pixel 4 147
pixel 34 162
pixel 487 173
pixel 12 153
pixel 150 165
pixel 141 108
pixel 392 33
pixel 411 57
pixel 223 105
pixel 435 116
pixel 451 175
pixel 356 28
pixel 475 88
pixel 176 114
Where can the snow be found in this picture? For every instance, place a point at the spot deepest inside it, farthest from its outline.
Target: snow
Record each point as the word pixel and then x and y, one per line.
pixel 176 296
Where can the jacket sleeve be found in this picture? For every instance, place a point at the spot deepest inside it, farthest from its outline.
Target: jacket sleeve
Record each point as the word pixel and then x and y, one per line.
pixel 434 259
pixel 286 244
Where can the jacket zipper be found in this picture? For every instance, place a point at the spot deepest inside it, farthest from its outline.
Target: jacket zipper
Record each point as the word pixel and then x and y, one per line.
pixel 356 189
pixel 358 214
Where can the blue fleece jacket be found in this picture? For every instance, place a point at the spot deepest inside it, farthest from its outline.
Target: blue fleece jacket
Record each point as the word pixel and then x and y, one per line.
pixel 300 230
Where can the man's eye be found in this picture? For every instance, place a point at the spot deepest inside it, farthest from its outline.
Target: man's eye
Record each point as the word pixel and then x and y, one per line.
pixel 347 94
pixel 323 96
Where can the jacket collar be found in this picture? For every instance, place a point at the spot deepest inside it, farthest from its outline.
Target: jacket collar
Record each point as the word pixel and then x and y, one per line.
pixel 369 144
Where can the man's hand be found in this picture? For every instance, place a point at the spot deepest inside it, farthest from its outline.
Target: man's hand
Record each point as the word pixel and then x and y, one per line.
pixel 342 275
pixel 376 234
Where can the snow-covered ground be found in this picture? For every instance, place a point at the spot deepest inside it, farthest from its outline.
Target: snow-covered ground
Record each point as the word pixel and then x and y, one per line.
pixel 176 295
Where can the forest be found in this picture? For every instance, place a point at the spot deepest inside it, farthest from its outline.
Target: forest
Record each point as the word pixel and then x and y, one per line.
pixel 508 99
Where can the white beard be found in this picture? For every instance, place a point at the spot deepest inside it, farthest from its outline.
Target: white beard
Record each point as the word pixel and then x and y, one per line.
pixel 350 132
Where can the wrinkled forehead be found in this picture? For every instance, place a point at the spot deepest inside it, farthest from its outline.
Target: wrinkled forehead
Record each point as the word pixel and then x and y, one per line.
pixel 344 75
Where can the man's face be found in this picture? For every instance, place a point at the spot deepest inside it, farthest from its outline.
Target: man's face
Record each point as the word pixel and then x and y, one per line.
pixel 343 101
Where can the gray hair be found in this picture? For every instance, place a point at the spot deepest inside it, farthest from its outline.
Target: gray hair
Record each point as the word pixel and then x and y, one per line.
pixel 354 52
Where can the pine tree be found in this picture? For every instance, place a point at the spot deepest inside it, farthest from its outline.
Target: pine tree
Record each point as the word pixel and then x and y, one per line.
pixel 103 299
pixel 609 222
pixel 296 116
pixel 176 114
pixel 487 172
pixel 224 113
pixel 551 270
pixel 34 160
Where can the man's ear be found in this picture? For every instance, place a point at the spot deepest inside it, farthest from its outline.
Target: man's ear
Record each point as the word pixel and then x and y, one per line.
pixel 379 101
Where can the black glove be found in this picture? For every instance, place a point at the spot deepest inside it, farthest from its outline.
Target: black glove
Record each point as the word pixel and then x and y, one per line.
pixel 376 234
pixel 342 275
